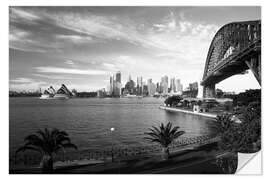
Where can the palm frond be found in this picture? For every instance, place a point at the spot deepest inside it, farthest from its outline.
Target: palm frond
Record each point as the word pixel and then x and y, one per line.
pixel 47 141
pixel 163 134
pixel 27 147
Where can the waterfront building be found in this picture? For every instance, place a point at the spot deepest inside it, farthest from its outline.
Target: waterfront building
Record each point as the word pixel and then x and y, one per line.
pixel 101 93
pixel 130 86
pixel 193 86
pixel 145 90
pixel 62 93
pixel 191 90
pixel 115 85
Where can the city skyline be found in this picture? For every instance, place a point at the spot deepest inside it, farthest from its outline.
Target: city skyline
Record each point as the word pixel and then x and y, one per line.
pixel 116 87
pixel 81 47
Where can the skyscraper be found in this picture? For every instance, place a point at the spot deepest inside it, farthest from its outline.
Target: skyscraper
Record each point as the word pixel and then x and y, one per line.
pixel 172 85
pixel 164 84
pixel 139 85
pixel 115 84
pixel 151 87
pixel 149 81
pixel 111 85
pixel 118 77
pixel 118 84
pixel 179 86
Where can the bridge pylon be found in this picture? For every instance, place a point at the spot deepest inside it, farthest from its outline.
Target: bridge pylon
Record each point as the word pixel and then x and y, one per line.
pixel 209 91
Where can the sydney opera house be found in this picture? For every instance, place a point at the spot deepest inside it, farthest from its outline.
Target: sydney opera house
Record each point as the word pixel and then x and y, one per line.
pixel 62 93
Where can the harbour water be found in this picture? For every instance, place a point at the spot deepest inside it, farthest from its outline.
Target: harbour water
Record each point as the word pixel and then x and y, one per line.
pixel 88 120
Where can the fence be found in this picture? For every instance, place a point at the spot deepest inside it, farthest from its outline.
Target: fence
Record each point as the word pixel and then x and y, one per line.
pixel 117 153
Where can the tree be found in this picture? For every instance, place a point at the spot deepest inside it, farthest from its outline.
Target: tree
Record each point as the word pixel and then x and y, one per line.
pixel 230 134
pixel 251 128
pixel 48 143
pixel 242 136
pixel 173 100
pixel 164 135
pixel 219 93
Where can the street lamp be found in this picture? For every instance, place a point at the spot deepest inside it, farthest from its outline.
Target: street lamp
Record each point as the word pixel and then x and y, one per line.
pixel 112 129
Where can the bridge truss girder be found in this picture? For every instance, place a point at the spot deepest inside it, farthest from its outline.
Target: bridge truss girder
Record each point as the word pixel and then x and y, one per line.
pixel 235 48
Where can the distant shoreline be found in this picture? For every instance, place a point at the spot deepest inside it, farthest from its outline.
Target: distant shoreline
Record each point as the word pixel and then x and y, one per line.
pixel 172 109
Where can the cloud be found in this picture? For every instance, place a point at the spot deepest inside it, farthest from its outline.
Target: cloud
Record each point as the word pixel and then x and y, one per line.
pixel 75 38
pixel 55 77
pixel 25 83
pixel 26 41
pixel 171 33
pixel 69 62
pixel 109 66
pixel 58 70
pixel 22 80
pixel 18 13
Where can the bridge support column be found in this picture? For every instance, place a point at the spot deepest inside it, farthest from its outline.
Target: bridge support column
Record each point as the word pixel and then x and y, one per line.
pixel 209 91
pixel 254 64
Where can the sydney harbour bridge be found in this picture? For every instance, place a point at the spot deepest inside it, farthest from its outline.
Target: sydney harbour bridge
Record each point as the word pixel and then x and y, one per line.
pixel 235 48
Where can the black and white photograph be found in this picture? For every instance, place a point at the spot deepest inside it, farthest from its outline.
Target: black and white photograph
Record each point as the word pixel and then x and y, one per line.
pixel 133 89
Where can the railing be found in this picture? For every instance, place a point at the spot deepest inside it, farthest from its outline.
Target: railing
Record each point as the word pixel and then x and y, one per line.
pixel 119 153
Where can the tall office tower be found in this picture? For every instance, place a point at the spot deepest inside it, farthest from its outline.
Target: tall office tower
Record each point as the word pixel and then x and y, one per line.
pixel 152 89
pixel 179 86
pixel 111 85
pixel 158 88
pixel 139 85
pixel 117 91
pixel 172 85
pixel 164 84
pixel 149 82
pixel 118 77
pixel 166 79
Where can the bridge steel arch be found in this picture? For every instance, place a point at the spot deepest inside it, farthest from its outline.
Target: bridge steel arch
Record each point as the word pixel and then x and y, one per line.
pixel 235 48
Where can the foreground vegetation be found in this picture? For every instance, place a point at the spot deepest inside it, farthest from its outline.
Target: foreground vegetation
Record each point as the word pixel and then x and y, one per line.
pixel 241 133
pixel 47 143
pixel 164 135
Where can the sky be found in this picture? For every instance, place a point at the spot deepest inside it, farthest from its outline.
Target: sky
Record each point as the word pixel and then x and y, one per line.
pixel 82 47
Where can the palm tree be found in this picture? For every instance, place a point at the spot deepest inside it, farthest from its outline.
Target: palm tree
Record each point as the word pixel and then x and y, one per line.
pixel 47 143
pixel 164 135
